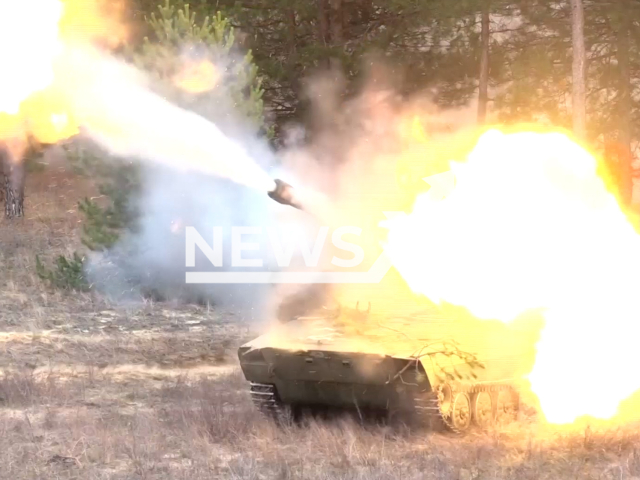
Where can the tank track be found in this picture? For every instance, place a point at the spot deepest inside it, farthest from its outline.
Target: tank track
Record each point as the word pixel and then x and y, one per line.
pixel 265 398
pixel 428 409
pixel 429 406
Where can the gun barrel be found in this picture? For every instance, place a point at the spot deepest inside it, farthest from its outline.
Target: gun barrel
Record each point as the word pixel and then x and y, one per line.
pixel 285 194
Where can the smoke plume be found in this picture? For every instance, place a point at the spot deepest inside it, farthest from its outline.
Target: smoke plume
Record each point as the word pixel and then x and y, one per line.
pixel 210 169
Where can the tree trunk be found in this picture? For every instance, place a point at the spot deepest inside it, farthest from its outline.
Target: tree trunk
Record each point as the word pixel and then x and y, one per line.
pixel 366 10
pixel 323 28
pixel 483 84
pixel 293 39
pixel 14 177
pixel 337 17
pixel 579 70
pixel 624 108
pixel 323 22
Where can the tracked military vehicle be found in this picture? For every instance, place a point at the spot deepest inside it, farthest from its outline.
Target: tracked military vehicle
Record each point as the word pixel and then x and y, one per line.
pixel 447 373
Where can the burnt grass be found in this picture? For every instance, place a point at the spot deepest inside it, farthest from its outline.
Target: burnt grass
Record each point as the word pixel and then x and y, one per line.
pixel 90 390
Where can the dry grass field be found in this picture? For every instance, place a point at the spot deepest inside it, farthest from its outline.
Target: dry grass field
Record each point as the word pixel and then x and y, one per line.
pixel 94 391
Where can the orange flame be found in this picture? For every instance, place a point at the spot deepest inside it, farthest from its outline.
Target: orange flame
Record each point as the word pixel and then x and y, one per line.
pixel 28 50
pixel 197 77
pixel 529 225
pixel 99 22
pixel 31 103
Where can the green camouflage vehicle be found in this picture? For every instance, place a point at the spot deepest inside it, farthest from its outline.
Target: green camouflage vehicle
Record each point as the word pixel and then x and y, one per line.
pixel 397 365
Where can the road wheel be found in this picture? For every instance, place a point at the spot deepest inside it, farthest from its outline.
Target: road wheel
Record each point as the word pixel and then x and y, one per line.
pixel 460 413
pixel 482 409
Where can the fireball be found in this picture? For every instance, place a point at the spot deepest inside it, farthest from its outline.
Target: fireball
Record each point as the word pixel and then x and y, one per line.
pixel 33 101
pixel 197 76
pixel 530 225
pixel 27 53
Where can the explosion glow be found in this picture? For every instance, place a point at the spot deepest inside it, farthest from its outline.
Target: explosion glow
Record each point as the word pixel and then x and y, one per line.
pixel 531 225
pixel 63 81
pixel 31 64
pixel 197 77
pixel 32 101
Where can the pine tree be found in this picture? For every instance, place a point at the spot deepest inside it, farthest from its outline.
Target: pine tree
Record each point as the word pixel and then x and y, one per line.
pixel 441 43
pixel 172 28
pixel 293 40
pixel 462 50
pixel 177 35
pixel 537 77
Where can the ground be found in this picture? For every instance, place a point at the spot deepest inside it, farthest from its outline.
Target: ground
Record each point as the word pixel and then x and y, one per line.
pixel 94 391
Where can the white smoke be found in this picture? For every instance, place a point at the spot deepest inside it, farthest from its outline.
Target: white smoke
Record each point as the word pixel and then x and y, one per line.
pixel 198 170
pixel 211 169
pixel 114 105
